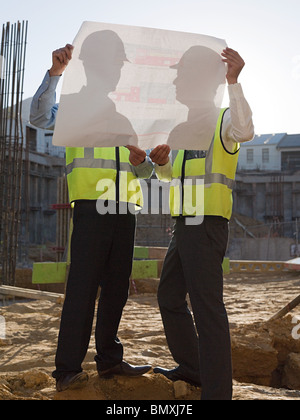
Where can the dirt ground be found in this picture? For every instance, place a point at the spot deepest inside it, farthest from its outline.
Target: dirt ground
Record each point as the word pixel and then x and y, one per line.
pixel 260 348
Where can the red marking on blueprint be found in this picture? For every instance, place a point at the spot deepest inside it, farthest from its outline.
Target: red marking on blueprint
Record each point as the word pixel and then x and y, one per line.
pixel 146 58
pixel 132 95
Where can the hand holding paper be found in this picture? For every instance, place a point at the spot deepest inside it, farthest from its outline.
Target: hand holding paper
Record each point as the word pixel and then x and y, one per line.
pixel 160 155
pixel 137 156
pixel 235 65
pixel 60 60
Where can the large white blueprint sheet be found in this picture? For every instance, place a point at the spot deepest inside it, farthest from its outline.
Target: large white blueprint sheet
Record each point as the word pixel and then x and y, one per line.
pixel 139 86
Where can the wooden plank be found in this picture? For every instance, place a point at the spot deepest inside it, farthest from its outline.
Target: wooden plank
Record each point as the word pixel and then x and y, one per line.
pixel 49 273
pixel 288 308
pixel 257 266
pixel 31 294
pixel 144 269
pixel 293 264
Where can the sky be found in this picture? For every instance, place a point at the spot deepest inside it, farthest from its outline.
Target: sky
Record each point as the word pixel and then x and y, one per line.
pixel 266 33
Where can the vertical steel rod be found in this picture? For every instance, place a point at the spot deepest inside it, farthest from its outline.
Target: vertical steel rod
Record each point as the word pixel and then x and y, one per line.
pixel 13 52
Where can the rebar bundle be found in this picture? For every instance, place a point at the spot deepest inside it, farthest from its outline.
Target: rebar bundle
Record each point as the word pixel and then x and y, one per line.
pixel 12 63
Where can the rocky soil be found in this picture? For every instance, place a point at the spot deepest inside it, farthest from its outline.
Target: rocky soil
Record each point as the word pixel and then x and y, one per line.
pixel 266 354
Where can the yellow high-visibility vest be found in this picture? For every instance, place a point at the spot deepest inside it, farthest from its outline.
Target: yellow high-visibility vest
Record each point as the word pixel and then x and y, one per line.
pixel 92 174
pixel 202 186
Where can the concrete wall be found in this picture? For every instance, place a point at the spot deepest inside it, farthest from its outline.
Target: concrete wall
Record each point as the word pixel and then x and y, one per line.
pixel 261 249
pixel 258 197
pixel 154 230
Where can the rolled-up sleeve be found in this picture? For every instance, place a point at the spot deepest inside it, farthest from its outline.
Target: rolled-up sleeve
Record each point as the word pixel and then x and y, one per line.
pixel 44 108
pixel 238 124
pixel 144 170
pixel 164 173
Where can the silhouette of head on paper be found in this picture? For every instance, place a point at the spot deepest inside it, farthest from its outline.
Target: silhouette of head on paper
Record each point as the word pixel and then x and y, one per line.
pixel 91 110
pixel 103 56
pixel 200 72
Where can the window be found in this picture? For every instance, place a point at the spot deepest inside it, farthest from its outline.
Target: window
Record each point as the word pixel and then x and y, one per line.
pixel 290 161
pixel 31 138
pixel 265 155
pixel 250 155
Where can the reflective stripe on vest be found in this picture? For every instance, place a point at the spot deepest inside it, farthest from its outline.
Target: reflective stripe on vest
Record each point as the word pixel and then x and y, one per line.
pixel 92 174
pixel 88 161
pixel 215 176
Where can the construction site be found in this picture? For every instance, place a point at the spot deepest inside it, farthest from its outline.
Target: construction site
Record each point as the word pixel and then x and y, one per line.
pixel 261 270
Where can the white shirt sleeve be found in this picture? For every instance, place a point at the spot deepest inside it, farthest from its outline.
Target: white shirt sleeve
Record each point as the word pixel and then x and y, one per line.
pixel 238 124
pixel 164 173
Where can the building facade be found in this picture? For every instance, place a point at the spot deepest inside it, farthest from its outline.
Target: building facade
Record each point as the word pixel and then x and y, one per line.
pixel 43 164
pixel 268 181
pixel 271 152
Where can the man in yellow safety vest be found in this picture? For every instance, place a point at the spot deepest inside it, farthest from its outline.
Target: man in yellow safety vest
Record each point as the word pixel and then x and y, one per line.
pixel 104 188
pixel 201 203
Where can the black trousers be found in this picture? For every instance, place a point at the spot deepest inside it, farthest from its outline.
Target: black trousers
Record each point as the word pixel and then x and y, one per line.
pixel 200 344
pixel 101 255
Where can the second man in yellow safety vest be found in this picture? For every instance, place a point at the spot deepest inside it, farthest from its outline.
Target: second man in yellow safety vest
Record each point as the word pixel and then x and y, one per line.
pixel 201 203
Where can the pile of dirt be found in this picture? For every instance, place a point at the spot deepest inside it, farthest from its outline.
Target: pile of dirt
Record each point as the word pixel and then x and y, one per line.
pixel 266 354
pixel 150 387
pixel 242 226
pixel 263 353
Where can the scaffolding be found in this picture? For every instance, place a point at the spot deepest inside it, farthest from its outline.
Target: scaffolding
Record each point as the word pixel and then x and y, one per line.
pixel 12 64
pixel 275 205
